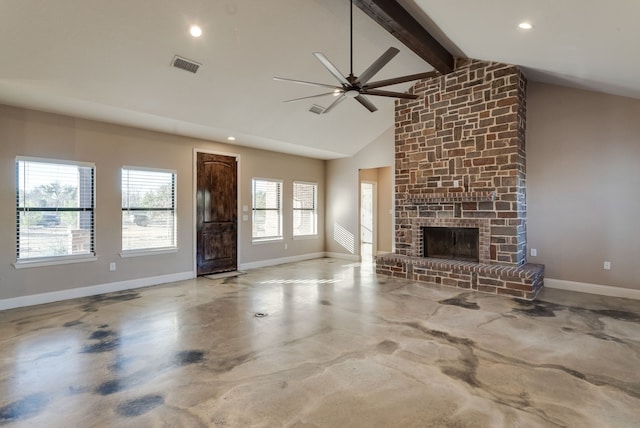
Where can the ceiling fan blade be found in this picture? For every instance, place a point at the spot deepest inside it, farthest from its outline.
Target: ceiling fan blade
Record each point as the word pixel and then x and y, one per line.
pixel 311 96
pixel 303 82
pixel 377 65
pixel 396 80
pixel 332 68
pixel 365 102
pixel 335 103
pixel 379 93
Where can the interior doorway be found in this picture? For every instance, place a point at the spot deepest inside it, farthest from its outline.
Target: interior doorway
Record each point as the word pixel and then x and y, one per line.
pixel 376 229
pixel 368 209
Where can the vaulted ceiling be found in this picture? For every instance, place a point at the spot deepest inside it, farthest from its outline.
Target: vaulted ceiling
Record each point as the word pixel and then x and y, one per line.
pixel 110 60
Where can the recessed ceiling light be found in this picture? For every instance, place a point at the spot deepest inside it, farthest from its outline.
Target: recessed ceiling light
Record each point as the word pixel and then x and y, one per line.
pixel 525 26
pixel 231 138
pixel 195 31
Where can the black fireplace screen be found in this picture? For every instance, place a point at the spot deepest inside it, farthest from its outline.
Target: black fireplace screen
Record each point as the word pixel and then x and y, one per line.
pixel 457 243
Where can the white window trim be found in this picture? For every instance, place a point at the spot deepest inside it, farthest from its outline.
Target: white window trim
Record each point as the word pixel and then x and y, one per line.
pixel 311 235
pixel 160 250
pixel 145 168
pixel 52 261
pixel 148 252
pixel 68 259
pixel 58 161
pixel 303 237
pixel 269 239
pixel 258 241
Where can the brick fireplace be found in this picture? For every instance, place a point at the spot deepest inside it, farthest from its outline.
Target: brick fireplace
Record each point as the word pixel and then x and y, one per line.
pixel 460 163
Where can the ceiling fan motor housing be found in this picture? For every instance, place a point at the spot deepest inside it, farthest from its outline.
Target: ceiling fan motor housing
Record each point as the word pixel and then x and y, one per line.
pixel 357 87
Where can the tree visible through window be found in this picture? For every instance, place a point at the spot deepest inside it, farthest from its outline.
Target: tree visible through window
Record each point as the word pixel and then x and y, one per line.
pixel 267 209
pixel 54 208
pixel 305 210
pixel 148 209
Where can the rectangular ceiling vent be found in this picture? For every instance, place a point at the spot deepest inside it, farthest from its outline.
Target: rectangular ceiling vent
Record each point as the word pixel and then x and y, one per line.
pixel 185 64
pixel 317 109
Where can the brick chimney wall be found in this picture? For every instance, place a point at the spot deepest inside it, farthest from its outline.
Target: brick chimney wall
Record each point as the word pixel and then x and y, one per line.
pixel 460 154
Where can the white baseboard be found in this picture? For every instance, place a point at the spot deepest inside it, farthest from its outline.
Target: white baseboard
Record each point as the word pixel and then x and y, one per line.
pixel 343 256
pixel 74 293
pixel 282 260
pixel 583 287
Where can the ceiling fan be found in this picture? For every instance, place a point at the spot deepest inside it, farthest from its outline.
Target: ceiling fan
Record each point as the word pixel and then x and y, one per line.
pixel 358 87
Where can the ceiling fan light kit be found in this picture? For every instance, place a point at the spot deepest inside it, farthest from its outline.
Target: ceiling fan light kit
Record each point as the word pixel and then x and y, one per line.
pixel 358 87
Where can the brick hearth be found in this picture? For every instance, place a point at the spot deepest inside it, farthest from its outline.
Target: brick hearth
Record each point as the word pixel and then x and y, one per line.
pixel 460 162
pixel 524 282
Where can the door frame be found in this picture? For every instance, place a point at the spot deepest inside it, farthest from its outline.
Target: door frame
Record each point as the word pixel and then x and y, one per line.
pixel 194 203
pixel 374 216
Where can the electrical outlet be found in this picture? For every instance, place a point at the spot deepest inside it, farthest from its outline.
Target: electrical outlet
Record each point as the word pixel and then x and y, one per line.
pixel 534 252
pixel 112 267
pixel 607 266
pixel 286 246
pixel 456 183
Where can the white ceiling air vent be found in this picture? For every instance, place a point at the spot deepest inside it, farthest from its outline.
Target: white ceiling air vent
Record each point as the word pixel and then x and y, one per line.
pixel 185 64
pixel 316 109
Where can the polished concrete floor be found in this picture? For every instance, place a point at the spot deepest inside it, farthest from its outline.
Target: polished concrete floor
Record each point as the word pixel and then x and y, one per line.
pixel 337 347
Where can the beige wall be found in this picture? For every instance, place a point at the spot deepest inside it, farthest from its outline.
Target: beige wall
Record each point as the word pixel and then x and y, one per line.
pixel 263 164
pixel 342 225
pixel 583 150
pixel 583 185
pixel 31 133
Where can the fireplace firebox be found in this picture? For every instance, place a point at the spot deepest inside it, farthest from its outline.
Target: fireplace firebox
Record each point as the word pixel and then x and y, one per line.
pixel 455 243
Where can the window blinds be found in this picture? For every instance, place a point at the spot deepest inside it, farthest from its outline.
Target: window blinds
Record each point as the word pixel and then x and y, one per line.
pixel 54 208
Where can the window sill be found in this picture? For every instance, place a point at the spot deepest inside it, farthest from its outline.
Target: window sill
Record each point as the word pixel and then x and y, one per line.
pixel 267 240
pixel 52 261
pixel 148 252
pixel 302 237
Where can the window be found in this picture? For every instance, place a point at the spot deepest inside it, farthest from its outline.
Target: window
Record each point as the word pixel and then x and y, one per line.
pixel 305 209
pixel 54 209
pixel 148 209
pixel 267 209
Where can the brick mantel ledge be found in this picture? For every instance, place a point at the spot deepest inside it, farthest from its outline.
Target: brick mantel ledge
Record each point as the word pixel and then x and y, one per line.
pixel 432 198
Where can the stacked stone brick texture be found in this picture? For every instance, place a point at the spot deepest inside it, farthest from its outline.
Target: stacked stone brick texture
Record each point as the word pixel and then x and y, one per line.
pixel 460 159
pixel 462 145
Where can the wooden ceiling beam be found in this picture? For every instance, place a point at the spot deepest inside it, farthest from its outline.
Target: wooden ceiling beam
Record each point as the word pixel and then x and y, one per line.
pixel 397 21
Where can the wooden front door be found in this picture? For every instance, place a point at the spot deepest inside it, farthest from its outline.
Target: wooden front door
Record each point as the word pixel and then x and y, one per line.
pixel 217 213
